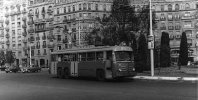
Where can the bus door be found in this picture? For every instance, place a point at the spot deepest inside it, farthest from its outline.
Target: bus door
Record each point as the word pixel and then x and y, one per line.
pixel 74 68
pixel 74 65
pixel 109 64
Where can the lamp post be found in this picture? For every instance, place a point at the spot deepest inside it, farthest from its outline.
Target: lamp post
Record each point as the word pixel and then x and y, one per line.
pixel 151 35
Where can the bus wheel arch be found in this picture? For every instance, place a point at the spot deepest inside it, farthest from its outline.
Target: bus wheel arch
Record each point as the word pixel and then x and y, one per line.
pixel 100 74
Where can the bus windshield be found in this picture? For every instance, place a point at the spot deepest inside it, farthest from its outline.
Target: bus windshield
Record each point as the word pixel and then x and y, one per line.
pixel 123 55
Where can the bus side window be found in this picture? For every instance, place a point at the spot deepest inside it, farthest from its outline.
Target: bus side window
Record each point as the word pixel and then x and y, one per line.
pixel 82 57
pixel 99 56
pixel 109 55
pixel 91 56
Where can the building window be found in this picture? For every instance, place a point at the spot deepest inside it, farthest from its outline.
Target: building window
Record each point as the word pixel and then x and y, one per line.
pixel 177 26
pixel 45 52
pixel 170 17
pixel 170 26
pixel 163 18
pixel 89 6
pixel 18 24
pixel 69 9
pixel 84 6
pixel 187 24
pixel 57 10
pixel 58 37
pixel 169 7
pixel 74 8
pixel 104 7
pixel 39 52
pixel 197 6
pixel 162 7
pixel 96 7
pixel 59 47
pixel 32 52
pixel 187 6
pixel 177 17
pixel 64 9
pixel 187 14
pixel 80 7
pixel 80 14
pixel 163 26
pixel 177 7
pixel 12 18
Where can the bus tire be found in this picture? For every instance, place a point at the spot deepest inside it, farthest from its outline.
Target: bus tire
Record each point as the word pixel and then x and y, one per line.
pixel 66 73
pixel 59 73
pixel 100 74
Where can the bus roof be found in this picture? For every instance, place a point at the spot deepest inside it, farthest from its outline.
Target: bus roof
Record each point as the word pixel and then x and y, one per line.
pixel 93 49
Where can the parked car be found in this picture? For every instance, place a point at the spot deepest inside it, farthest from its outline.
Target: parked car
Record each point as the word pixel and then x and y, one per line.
pixel 12 69
pixel 2 68
pixel 32 68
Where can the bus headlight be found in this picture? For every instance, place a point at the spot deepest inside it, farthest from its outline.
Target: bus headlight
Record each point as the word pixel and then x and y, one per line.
pixel 119 69
pixel 133 69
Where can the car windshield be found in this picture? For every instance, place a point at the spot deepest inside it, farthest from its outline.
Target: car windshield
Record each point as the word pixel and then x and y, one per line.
pixel 123 55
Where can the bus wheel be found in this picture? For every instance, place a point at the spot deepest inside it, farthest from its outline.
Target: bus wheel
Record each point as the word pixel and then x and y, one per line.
pixel 66 73
pixel 59 72
pixel 100 75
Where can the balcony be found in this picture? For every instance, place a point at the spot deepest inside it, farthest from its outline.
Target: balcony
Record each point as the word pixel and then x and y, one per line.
pixel 32 47
pixel 37 38
pixel 6 14
pixel 50 45
pixel 49 28
pixel 30 22
pixel 7 42
pixel 24 26
pixel 24 33
pixel 44 46
pixel 18 12
pixel 31 39
pixel 40 30
pixel 49 19
pixel 1 35
pixel 7 35
pixel 187 17
pixel 170 27
pixel 24 18
pixel 30 14
pixel 37 46
pixel 24 40
pixel 162 28
pixel 12 13
pixel 177 27
pixel 24 11
pixel 7 21
pixel 31 30
pixel 44 37
pixel 49 11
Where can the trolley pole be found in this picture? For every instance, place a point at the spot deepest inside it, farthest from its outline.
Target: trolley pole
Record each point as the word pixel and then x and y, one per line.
pixel 152 42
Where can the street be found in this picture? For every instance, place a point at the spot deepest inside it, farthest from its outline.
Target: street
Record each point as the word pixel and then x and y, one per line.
pixel 42 86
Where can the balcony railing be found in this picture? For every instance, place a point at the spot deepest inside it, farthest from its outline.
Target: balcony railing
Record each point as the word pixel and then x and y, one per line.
pixel 24 26
pixel 50 45
pixel 24 40
pixel 7 21
pixel 49 11
pixel 170 27
pixel 44 46
pixel 31 30
pixel 44 37
pixel 6 14
pixel 49 19
pixel 7 35
pixel 30 22
pixel 24 18
pixel 24 33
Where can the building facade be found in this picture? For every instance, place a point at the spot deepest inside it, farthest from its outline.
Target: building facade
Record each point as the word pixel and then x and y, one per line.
pixel 14 27
pixel 175 17
pixel 74 19
pixel 40 31
pixel 1 25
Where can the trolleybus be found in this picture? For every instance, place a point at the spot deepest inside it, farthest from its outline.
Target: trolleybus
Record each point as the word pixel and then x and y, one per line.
pixel 102 62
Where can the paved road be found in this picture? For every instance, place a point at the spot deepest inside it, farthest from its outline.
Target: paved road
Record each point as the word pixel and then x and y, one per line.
pixel 41 86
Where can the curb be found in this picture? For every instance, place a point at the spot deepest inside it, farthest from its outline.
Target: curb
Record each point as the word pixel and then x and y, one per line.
pixel 167 78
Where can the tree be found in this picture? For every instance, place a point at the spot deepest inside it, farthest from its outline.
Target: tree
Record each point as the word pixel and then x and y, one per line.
pixel 183 53
pixel 142 54
pixel 2 58
pixel 165 50
pixel 9 57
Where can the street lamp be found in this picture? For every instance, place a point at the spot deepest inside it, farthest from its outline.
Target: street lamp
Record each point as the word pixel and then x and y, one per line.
pixel 152 43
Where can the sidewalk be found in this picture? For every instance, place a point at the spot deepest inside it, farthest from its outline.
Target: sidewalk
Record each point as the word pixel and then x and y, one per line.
pixel 171 73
